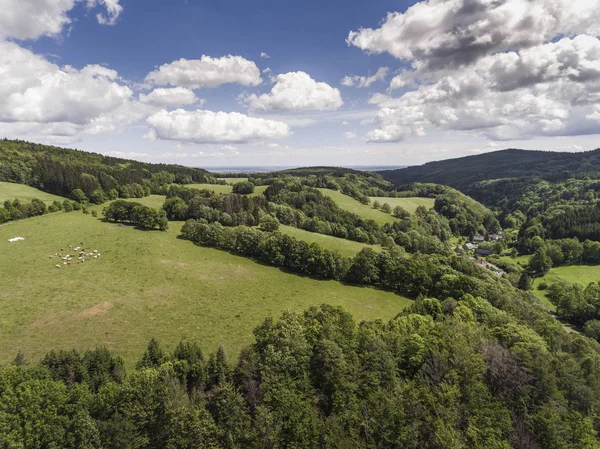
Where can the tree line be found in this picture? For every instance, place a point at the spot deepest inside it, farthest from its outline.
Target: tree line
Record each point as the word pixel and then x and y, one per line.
pixel 411 275
pixel 144 217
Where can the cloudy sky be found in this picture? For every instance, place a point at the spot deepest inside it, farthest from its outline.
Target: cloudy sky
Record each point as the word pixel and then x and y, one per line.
pixel 340 82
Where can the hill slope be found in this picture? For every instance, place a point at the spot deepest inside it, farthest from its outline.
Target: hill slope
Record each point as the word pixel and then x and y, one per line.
pixel 465 171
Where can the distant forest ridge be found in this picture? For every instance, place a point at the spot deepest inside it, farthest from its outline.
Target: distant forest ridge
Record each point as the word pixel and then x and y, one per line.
pixel 512 163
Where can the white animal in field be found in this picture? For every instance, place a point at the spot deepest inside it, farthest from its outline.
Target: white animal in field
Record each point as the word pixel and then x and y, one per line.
pixel 57 266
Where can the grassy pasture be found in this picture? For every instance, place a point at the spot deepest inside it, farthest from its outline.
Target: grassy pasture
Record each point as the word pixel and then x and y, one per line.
pixel 410 204
pixel 351 205
pixel 232 180
pixel 155 201
pixel 574 274
pixel 258 190
pixel 345 247
pixel 12 191
pixel 146 284
pixel 217 188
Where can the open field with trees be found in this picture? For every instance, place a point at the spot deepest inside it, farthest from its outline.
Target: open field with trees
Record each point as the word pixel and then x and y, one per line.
pixel 11 191
pixel 218 188
pixel 574 274
pixel 364 211
pixel 345 247
pixel 232 181
pixel 147 284
pixel 408 204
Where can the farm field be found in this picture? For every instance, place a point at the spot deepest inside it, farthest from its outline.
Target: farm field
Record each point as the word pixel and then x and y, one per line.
pixel 12 191
pixel 345 247
pixel 155 201
pixel 410 204
pixel 351 205
pixel 258 190
pixel 146 284
pixel 232 180
pixel 574 274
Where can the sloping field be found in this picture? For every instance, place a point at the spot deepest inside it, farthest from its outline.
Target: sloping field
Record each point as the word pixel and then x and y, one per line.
pixel 12 191
pixel 258 190
pixel 146 284
pixel 364 211
pixel 410 204
pixel 345 247
pixel 232 180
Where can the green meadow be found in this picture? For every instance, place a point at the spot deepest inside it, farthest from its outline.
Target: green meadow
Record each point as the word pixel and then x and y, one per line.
pixel 146 284
pixel 217 188
pixel 410 204
pixel 362 210
pixel 345 247
pixel 232 180
pixel 11 191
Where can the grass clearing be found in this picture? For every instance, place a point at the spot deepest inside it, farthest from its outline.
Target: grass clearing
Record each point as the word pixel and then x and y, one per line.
pixel 258 190
pixel 574 274
pixel 345 247
pixel 364 211
pixel 232 181
pixel 217 188
pixel 146 284
pixel 410 204
pixel 11 191
pixel 155 201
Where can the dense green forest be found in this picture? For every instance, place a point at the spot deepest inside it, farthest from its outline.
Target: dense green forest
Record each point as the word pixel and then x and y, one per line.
pixel 506 164
pixel 93 176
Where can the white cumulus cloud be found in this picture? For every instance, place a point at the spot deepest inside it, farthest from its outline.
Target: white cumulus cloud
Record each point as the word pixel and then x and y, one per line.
pixel 214 127
pixel 296 91
pixel 206 72
pixel 441 33
pixel 31 19
pixel 264 55
pixel 170 97
pixel 366 81
pixel 550 89
pixel 350 135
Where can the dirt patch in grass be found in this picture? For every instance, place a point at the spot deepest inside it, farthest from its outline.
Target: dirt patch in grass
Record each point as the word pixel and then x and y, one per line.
pixel 46 320
pixel 98 309
pixel 175 263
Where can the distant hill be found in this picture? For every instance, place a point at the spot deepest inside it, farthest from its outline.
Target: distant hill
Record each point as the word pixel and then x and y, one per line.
pixel 466 171
pixel 61 170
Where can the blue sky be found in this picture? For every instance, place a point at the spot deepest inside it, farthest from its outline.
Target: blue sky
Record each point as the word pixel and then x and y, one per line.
pixel 189 81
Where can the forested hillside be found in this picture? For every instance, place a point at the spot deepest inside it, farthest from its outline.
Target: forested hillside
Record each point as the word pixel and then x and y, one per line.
pixel 61 171
pixel 463 172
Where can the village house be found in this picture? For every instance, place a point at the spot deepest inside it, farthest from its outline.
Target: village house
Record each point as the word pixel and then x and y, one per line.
pixel 469 247
pixel 484 252
pixel 478 239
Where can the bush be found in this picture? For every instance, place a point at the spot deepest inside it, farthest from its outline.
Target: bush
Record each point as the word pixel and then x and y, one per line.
pixel 269 223
pixel 243 188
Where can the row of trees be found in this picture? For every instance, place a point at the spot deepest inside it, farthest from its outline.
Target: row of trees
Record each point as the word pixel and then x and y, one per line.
pixel 574 303
pixel 295 205
pixel 17 210
pixel 409 275
pixel 451 374
pixel 144 217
